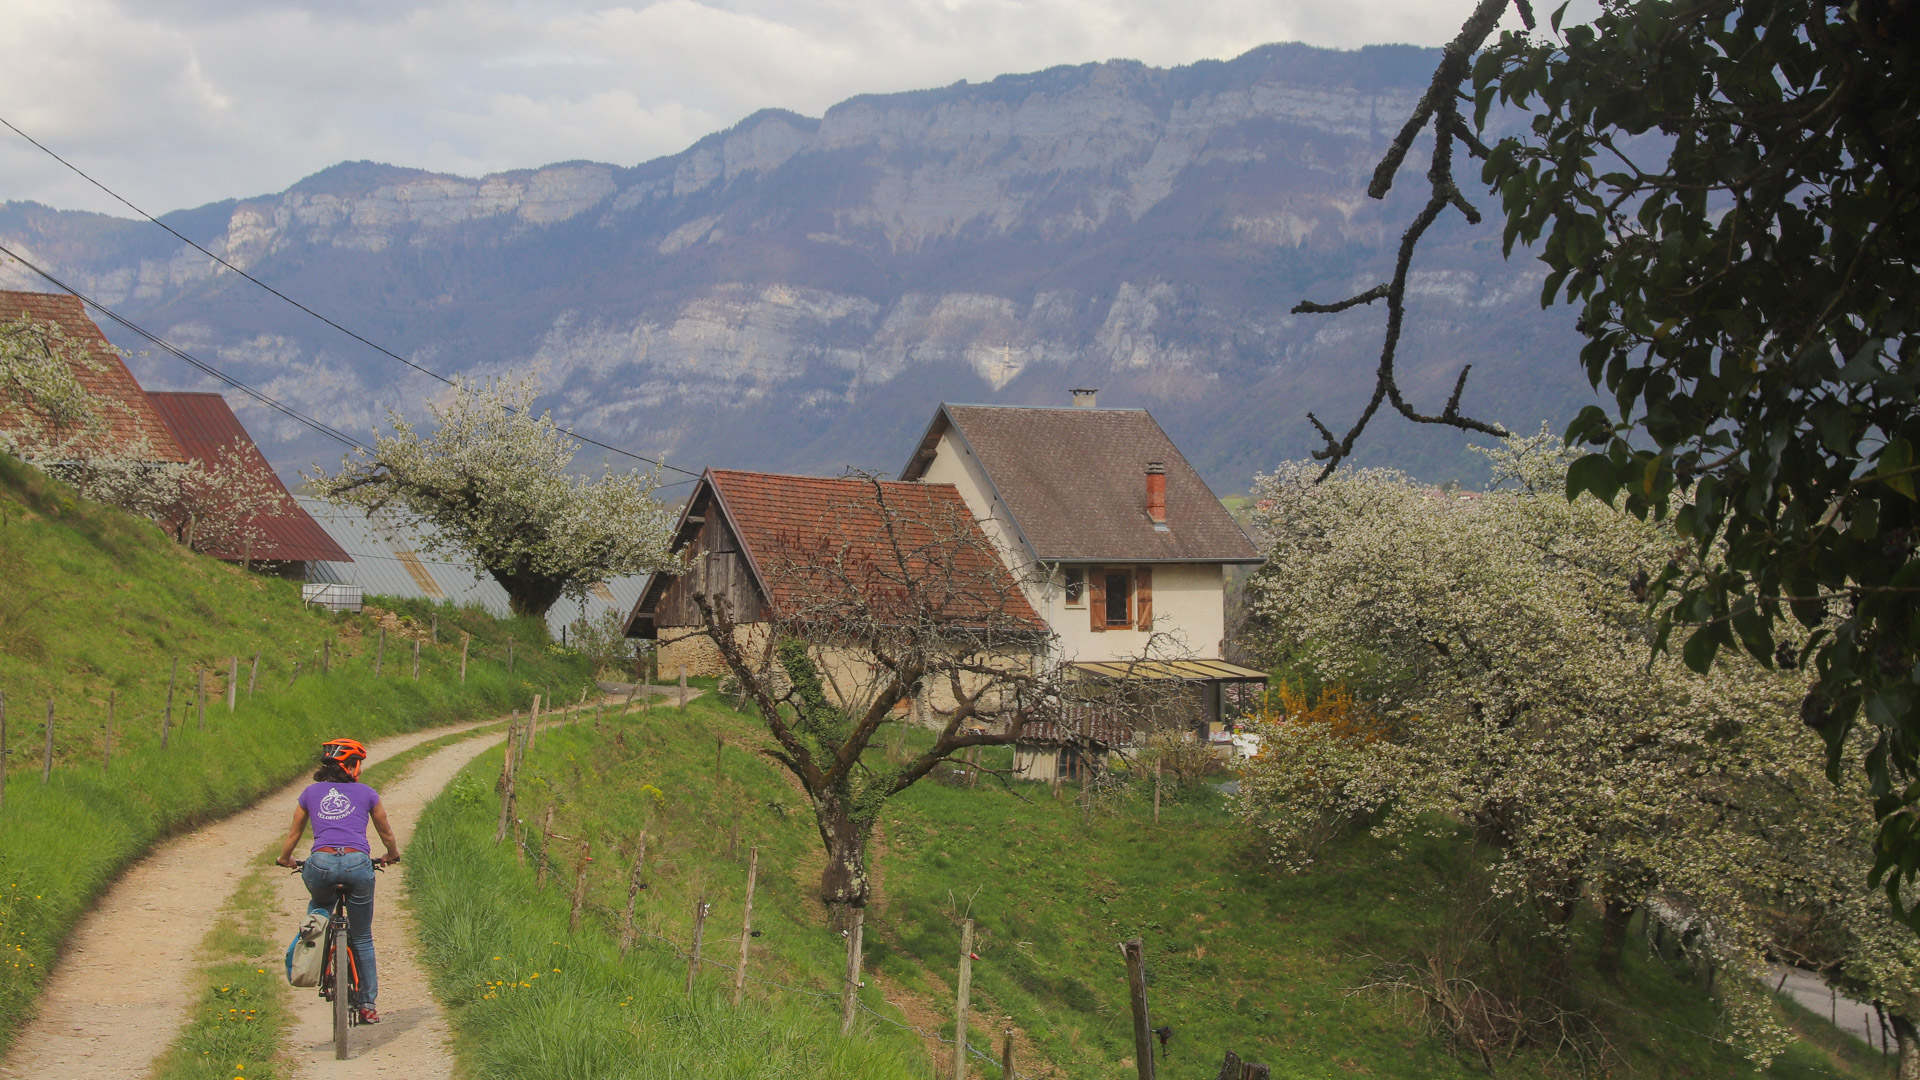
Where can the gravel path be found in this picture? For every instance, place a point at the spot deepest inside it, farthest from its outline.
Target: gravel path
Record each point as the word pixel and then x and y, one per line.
pixel 103 1016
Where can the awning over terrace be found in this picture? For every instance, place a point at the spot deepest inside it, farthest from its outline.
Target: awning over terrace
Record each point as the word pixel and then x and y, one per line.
pixel 1169 670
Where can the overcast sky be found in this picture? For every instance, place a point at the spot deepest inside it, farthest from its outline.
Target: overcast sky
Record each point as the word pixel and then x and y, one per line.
pixel 182 102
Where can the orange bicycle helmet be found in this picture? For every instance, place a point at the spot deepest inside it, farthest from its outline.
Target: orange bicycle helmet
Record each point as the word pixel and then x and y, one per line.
pixel 347 753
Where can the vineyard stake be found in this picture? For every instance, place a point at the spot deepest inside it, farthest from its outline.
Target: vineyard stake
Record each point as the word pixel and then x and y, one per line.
pixel 166 719
pixel 633 891
pixel 579 886
pixel 700 909
pixel 746 927
pixel 960 1001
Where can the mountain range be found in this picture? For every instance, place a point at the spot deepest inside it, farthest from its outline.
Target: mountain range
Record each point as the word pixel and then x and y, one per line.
pixel 798 293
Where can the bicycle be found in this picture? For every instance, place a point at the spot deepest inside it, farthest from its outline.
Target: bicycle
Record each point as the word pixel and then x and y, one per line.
pixel 339 984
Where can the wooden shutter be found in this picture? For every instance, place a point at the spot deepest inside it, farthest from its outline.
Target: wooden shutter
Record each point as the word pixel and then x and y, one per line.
pixel 1097 597
pixel 1143 597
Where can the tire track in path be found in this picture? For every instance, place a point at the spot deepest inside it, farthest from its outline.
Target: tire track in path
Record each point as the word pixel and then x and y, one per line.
pixel 122 989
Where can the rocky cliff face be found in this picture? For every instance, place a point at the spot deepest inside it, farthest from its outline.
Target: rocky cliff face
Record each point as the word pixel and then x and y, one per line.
pixel 799 293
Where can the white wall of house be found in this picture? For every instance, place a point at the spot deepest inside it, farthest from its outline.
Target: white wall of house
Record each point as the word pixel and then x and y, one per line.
pixel 1189 599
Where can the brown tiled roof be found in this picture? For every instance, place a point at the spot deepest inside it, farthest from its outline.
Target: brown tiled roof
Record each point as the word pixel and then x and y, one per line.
pixel 789 523
pixel 122 404
pixel 1074 481
pixel 203 424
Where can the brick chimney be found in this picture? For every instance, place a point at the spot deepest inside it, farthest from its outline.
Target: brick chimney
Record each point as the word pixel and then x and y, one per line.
pixel 1083 398
pixel 1157 494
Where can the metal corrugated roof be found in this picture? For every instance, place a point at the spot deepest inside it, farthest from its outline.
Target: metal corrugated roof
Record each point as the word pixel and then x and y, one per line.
pixel 204 425
pixel 391 559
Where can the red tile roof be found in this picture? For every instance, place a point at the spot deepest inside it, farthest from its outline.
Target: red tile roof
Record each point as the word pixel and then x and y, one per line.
pixel 202 425
pixel 123 405
pixel 788 525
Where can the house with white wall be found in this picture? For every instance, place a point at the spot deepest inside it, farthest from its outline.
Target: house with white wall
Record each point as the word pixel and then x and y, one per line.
pixel 1120 545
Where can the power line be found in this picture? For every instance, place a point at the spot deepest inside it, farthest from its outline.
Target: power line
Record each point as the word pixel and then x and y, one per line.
pixel 383 350
pixel 317 425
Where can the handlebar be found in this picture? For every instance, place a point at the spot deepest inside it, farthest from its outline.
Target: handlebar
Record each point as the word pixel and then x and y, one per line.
pixel 379 865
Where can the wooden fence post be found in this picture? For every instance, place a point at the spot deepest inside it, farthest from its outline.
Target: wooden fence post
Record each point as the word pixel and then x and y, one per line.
pixel 166 718
pixel 295 677
pixel 466 640
pixel 233 683
pixel 46 767
pixel 546 841
pixel 579 886
pixel 700 909
pixel 633 891
pixel 719 745
pixel 255 673
pixel 416 659
pixel 1006 1055
pixel 3 749
pixel 1156 791
pixel 106 750
pixel 850 993
pixel 746 927
pixel 533 725
pixel 629 704
pixel 683 686
pixel 436 628
pixel 960 1001
pixel 1133 950
pixel 506 781
pixel 380 653
pixel 509 652
pixel 326 657
pixel 1230 1067
pixel 201 698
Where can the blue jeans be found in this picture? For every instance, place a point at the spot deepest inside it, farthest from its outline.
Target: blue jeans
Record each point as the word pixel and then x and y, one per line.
pixel 326 869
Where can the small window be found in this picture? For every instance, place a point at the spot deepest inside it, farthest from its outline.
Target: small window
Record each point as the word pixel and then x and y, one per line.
pixel 1119 597
pixel 1076 587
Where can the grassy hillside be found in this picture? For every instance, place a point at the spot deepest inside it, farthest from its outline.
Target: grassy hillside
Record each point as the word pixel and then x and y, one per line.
pixel 96 606
pixel 1239 958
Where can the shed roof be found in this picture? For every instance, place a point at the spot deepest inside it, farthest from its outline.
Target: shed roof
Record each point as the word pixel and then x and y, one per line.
pixel 1074 481
pixel 391 559
pixel 789 525
pixel 203 425
pixel 129 417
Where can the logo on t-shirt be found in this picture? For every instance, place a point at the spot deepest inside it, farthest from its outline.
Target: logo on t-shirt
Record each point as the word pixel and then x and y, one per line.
pixel 334 806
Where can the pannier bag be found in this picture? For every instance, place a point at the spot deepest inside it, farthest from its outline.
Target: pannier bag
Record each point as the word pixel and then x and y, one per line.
pixel 305 957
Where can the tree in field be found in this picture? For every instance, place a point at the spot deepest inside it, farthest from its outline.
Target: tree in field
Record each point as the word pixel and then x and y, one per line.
pixel 42 402
pixel 1727 192
pixel 1509 687
pixel 492 483
pixel 891 596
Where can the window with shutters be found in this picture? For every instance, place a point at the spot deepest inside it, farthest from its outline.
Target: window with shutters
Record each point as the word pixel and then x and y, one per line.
pixel 1119 599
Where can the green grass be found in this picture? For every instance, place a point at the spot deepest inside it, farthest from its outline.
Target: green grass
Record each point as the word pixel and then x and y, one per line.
pixel 235 1026
pixel 1240 957
pixel 108 604
pixel 529 999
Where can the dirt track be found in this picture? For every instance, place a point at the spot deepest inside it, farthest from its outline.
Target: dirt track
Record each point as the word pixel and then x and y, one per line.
pixel 100 1017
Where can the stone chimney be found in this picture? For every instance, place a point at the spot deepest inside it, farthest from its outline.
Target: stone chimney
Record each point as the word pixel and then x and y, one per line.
pixel 1084 399
pixel 1157 494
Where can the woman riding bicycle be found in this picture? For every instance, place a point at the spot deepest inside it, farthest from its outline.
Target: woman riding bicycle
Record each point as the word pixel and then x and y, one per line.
pixel 340 806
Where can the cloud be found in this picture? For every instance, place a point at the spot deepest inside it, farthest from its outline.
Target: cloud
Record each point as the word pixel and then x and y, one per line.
pixel 182 102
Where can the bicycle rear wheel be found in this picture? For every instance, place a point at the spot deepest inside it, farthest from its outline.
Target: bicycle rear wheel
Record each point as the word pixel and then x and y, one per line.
pixel 342 992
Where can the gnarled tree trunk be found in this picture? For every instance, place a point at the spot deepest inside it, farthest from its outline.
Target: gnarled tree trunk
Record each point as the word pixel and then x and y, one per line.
pixel 1909 1040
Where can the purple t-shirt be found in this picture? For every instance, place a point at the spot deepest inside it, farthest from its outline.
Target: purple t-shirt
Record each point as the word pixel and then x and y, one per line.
pixel 339 814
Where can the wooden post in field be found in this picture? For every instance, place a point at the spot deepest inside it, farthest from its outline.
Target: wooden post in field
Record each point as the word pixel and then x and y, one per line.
pixel 233 684
pixel 633 891
pixel 579 886
pixel 3 749
pixel 46 767
pixel 629 704
pixel 466 639
pixel 533 725
pixel 506 781
pixel 255 673
pixel 577 706
pixel 201 697
pixel 850 993
pixel 1006 1055
pixel 719 745
pixel 1133 949
pixel 1231 1066
pixel 295 677
pixel 416 659
pixel 683 686
pixel 1156 791
pixel 509 652
pixel 106 749
pixel 380 653
pixel 546 841
pixel 700 909
pixel 436 628
pixel 326 657
pixel 961 1001
pixel 166 718
pixel 746 927
pixel 246 556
